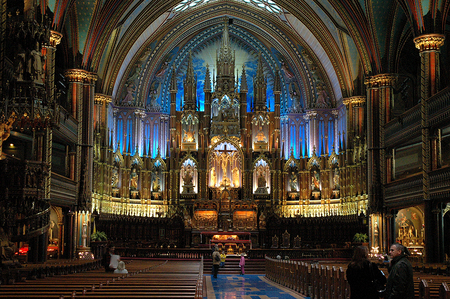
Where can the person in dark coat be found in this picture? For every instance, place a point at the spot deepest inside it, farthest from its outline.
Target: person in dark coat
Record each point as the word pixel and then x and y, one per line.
pixel 216 261
pixel 400 282
pixel 106 260
pixel 360 275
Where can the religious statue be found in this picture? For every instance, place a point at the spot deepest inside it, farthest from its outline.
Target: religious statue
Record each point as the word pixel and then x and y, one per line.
pixel 285 68
pixel 336 179
pixel 5 129
pixel 129 96
pixel 84 234
pixel 213 177
pixel 261 180
pixel 293 182
pixel 187 179
pixel 322 97
pixel 50 231
pixel 114 178
pixel 156 185
pixel 35 64
pixel 260 137
pixel 225 180
pixel 189 136
pixel 8 248
pixel 153 95
pixel 134 177
pixel 376 234
pixel 19 64
pixel 315 181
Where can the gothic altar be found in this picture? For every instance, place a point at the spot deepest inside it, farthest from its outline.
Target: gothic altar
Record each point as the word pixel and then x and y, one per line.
pixel 237 164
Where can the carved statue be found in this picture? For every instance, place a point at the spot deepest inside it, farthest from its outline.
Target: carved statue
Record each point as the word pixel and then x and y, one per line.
pixel 50 231
pixel 35 64
pixel 156 185
pixel 189 136
pixel 293 182
pixel 84 234
pixel 19 64
pixel 322 97
pixel 130 90
pixel 261 180
pixel 187 179
pixel 260 137
pixel 315 181
pixel 134 177
pixel 376 234
pixel 8 248
pixel 5 129
pixel 213 177
pixel 336 179
pixel 114 178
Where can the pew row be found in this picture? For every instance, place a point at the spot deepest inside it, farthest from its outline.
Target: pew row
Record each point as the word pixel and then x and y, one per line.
pixel 328 281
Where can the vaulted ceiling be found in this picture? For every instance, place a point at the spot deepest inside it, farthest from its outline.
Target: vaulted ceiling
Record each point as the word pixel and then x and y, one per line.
pixel 333 42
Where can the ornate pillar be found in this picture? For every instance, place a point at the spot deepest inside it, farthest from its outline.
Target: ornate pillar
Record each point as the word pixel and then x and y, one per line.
pixel 101 102
pixel 428 45
pixel 379 100
pixel 55 39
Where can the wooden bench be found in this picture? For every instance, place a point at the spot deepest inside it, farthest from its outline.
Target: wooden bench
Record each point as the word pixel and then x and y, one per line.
pixel 146 279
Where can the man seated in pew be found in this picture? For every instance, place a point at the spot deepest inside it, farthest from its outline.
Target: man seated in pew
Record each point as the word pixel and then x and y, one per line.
pixel 121 268
pixel 400 282
pixel 110 260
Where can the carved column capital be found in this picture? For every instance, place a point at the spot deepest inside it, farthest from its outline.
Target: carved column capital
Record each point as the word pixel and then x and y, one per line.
pixel 380 80
pixel 429 42
pixel 100 98
pixel 356 100
pixel 55 38
pixel 75 75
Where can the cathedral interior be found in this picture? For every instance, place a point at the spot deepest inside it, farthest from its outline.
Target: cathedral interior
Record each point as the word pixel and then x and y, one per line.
pixel 255 124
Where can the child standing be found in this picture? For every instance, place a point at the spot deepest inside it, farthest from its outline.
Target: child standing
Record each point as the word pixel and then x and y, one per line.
pixel 223 257
pixel 242 264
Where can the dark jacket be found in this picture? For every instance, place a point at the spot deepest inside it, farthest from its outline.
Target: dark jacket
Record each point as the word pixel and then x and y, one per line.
pixel 360 280
pixel 400 282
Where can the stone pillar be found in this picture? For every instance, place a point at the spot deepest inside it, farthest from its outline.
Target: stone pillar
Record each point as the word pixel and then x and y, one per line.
pixel 428 45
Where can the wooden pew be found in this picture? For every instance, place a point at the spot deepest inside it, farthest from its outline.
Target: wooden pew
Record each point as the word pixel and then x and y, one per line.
pixel 444 291
pixel 144 280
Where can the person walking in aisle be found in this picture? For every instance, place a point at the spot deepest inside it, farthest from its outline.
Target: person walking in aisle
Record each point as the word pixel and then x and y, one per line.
pixel 242 263
pixel 362 274
pixel 216 261
pixel 400 282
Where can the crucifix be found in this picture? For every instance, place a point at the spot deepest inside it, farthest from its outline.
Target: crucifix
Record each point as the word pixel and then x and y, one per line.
pixel 224 157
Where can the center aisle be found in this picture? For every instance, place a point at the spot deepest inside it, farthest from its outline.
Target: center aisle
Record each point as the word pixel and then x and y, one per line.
pixel 245 287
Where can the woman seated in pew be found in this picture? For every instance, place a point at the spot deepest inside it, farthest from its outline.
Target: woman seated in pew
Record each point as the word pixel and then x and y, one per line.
pixel 121 268
pixel 364 277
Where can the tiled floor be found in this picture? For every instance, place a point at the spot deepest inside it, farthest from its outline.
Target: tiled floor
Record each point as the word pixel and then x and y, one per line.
pixel 246 287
